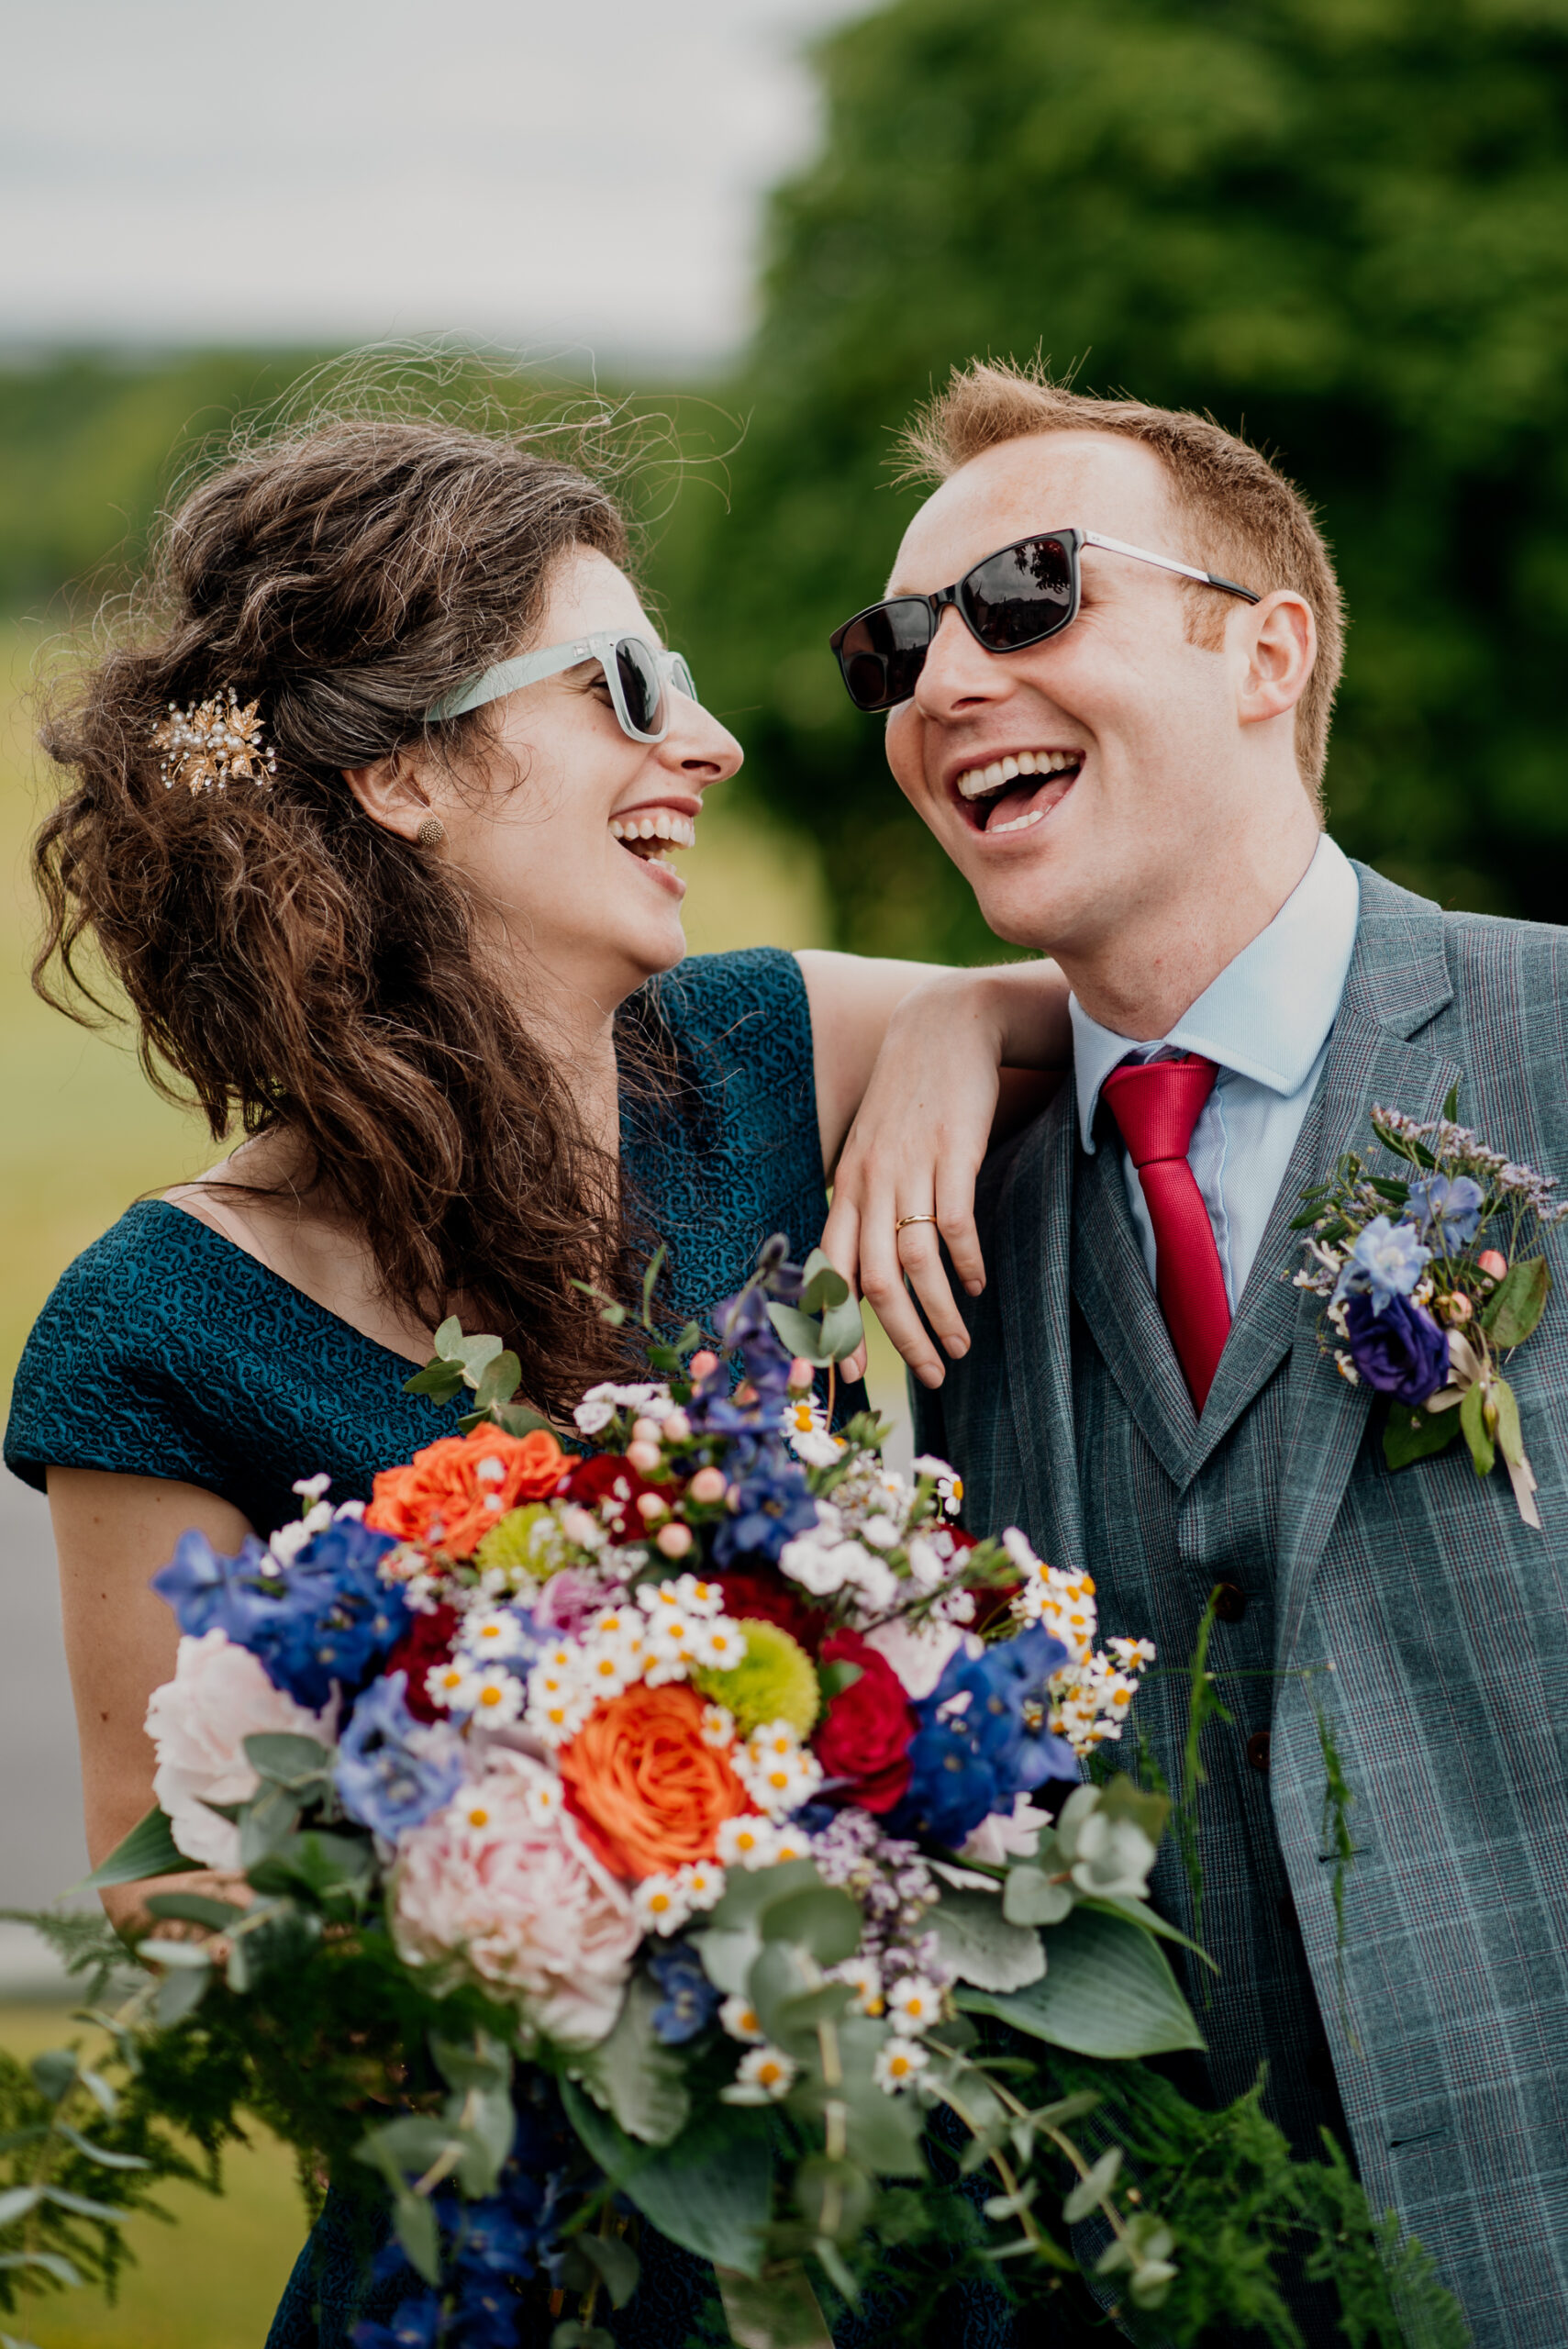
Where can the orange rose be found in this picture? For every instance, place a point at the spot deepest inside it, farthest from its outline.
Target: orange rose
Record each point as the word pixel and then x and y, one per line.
pixel 452 1493
pixel 646 1791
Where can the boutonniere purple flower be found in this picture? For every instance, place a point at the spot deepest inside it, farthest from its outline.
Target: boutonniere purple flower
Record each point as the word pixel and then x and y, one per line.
pixel 1430 1283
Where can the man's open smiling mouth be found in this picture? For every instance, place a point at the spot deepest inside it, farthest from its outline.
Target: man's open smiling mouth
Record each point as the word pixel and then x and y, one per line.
pixel 1017 791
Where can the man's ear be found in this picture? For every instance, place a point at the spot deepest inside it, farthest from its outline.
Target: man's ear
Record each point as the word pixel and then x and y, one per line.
pixel 393 793
pixel 1282 646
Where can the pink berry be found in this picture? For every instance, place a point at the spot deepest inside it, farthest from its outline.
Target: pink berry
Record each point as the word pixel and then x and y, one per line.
pixel 644 1457
pixel 801 1373
pixel 707 1485
pixel 673 1540
pixel 677 1428
pixel 651 1505
pixel 1491 1260
pixel 701 1365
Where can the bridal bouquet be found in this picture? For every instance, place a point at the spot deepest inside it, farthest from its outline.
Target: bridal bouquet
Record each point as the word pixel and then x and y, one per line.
pixel 691 1826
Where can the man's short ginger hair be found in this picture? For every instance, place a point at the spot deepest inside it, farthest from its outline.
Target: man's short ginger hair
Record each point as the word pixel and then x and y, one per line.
pixel 1240 517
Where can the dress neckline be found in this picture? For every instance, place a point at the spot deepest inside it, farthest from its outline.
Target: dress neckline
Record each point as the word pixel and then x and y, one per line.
pixel 300 1298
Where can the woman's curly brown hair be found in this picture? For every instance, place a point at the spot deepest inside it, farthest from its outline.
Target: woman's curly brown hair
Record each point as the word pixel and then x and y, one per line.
pixel 295 964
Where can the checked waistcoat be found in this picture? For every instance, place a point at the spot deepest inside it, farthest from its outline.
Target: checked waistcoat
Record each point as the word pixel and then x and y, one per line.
pixel 1417 1610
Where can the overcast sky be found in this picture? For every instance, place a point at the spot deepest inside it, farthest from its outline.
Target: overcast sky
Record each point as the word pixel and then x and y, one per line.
pixel 583 173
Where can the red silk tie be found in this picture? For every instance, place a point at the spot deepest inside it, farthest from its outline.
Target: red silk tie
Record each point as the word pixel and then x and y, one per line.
pixel 1156 1104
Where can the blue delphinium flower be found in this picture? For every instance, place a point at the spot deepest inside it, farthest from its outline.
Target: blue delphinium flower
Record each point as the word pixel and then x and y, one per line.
pixel 209 1592
pixel 773 1504
pixel 690 2000
pixel 392 1771
pixel 1447 1210
pixel 415 2323
pixel 1400 1352
pixel 1387 1261
pixel 325 1617
pixel 968 1760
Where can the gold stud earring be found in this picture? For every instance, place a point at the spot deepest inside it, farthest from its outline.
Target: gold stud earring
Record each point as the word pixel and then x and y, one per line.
pixel 431 833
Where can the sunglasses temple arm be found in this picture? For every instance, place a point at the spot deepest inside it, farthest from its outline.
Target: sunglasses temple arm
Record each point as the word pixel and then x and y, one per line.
pixel 1165 563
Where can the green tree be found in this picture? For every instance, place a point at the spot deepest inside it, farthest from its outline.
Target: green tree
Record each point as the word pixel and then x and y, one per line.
pixel 1340 225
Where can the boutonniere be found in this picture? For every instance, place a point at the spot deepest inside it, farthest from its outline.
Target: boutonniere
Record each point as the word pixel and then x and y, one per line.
pixel 1429 1285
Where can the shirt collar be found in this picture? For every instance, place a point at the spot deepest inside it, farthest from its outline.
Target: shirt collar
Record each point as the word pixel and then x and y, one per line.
pixel 1268 1014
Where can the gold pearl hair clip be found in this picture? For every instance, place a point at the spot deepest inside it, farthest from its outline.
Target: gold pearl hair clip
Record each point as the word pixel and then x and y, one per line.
pixel 212 743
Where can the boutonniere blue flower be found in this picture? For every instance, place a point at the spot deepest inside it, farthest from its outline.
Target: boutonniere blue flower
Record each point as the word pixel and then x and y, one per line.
pixel 1430 1283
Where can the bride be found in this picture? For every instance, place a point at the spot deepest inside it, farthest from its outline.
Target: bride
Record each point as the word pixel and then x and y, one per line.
pixel 376 826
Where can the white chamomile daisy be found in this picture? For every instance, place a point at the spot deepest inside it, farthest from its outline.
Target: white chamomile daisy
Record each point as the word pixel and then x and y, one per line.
pixel 898 2062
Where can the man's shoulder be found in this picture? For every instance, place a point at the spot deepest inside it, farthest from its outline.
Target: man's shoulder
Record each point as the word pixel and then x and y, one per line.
pixel 1496 966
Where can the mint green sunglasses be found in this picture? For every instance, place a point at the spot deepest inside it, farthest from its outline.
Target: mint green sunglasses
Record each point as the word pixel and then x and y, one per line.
pixel 636 670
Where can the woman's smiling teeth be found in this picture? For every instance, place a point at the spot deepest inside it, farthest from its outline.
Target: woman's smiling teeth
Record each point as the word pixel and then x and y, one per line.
pixel 1011 808
pixel 650 834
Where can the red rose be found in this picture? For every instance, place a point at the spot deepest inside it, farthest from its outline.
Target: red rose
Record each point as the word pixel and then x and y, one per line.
pixel 765 1599
pixel 606 1477
pixel 427 1641
pixel 865 1736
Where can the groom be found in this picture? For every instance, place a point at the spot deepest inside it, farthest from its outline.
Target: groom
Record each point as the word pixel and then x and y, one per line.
pixel 1145 1393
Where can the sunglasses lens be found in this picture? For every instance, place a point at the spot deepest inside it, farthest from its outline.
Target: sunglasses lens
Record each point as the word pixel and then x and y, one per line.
pixel 682 678
pixel 1021 595
pixel 882 651
pixel 642 694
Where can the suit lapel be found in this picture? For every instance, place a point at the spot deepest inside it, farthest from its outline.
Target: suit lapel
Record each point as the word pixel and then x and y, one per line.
pixel 1110 1281
pixel 1032 1267
pixel 1399 982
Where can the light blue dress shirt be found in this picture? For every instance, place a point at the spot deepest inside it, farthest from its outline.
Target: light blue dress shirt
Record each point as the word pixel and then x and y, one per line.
pixel 1266 1020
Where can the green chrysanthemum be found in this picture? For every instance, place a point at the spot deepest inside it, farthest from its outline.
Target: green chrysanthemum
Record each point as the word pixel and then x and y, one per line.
pixel 775 1681
pixel 527 1545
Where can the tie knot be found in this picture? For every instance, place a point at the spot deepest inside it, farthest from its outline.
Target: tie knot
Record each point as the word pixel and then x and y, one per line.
pixel 1156 1104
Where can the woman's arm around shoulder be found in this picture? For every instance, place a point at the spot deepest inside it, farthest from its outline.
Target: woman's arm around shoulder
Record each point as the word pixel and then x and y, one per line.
pixel 111 1533
pixel 919 1067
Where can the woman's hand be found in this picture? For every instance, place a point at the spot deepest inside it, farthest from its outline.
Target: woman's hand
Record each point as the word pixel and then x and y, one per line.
pixel 963 1061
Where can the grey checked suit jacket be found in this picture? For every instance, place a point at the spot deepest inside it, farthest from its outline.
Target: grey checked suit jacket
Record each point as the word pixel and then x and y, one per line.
pixel 1443 1617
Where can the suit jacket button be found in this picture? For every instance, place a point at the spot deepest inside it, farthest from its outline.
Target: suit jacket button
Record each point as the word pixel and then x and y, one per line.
pixel 1258 1749
pixel 1229 1603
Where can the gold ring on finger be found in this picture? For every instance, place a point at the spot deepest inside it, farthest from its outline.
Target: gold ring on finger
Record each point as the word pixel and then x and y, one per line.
pixel 905 1219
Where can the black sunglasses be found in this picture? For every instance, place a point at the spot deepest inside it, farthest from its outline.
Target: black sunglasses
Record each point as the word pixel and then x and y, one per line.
pixel 1011 599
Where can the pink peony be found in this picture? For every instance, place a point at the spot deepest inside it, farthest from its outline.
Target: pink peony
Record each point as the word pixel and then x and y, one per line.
pixel 502 1880
pixel 199 1722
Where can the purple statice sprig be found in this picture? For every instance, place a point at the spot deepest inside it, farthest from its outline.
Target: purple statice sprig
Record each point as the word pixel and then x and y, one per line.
pixel 1429 1282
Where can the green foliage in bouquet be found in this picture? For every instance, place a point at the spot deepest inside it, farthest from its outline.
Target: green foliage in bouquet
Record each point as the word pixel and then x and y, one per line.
pixel 880 2048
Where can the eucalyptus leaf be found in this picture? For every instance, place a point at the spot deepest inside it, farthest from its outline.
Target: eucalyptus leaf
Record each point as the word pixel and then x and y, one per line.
pixel 17 2202
pixel 617 2261
pixel 149 1850
pixel 711 2190
pixel 100 2153
pixel 825 1921
pixel 286 1760
pixel 500 1383
pixel 476 1356
pixel 180 1994
pixel 414 2223
pixel 822 1286
pixel 802 1335
pixel 1510 1440
pixel 1090 2192
pixel 1412 1434
pixel 440 1380
pixel 449 1338
pixel 55 2073
pixel 1029 1897
pixel 1472 1420
pixel 1110 1992
pixel 843 1329
pixel 634 2076
pixel 1517 1302
pixel 51 2261
pixel 193 1908
pixel 82 2206
pixel 980 1944
pixel 832 1679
